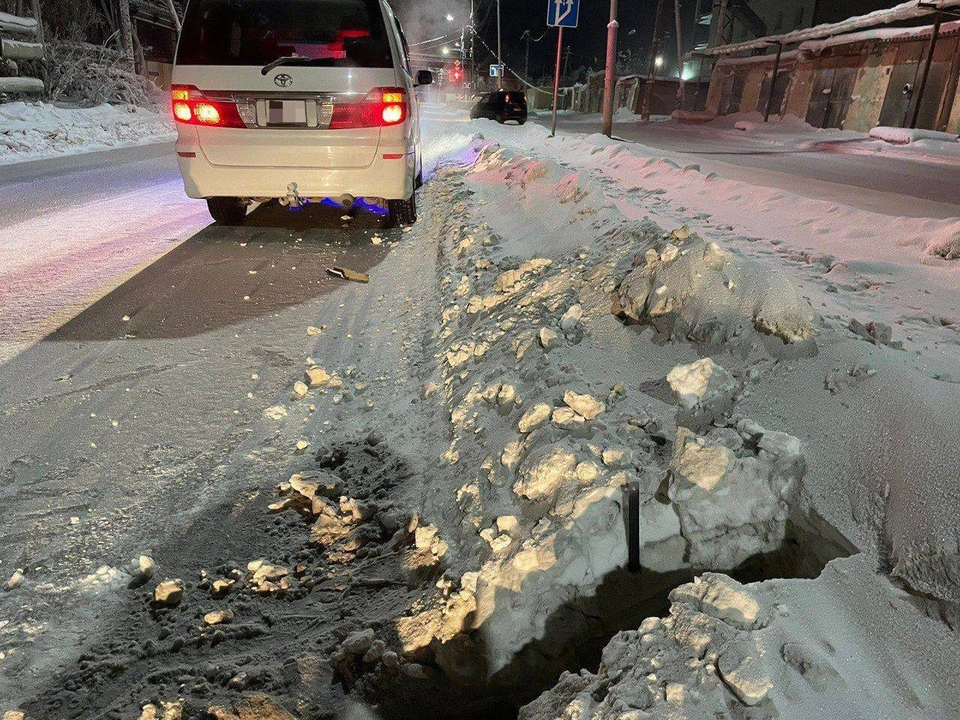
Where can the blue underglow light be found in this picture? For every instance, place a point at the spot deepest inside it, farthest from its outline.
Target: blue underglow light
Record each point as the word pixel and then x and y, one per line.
pixel 370 207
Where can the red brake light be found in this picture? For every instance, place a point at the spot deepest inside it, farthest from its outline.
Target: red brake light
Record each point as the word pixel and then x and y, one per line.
pixel 392 114
pixel 192 108
pixel 381 108
pixel 182 111
pixel 206 114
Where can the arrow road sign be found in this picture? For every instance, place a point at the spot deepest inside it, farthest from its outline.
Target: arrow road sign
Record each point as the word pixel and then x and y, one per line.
pixel 563 13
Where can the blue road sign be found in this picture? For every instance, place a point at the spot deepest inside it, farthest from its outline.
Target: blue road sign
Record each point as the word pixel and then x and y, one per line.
pixel 563 13
pixel 495 71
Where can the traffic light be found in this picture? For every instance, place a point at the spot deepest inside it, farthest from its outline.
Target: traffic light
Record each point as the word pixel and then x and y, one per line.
pixel 456 73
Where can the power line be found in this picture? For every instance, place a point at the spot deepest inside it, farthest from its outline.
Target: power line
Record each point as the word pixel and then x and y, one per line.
pixel 444 38
pixel 506 67
pixel 526 33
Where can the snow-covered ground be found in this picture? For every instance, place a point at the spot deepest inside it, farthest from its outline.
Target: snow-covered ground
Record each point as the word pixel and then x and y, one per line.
pixel 414 492
pixel 37 130
pixel 793 134
pixel 869 392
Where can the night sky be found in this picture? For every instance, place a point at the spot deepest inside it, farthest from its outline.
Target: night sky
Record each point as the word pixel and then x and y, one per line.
pixel 425 19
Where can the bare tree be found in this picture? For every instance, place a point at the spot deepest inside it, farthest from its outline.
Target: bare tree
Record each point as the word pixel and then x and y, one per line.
pixel 174 15
pixel 126 31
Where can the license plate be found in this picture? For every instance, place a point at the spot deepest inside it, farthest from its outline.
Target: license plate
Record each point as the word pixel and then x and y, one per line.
pixel 286 112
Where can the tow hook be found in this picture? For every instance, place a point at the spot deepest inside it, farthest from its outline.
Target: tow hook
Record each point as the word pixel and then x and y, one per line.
pixel 292 200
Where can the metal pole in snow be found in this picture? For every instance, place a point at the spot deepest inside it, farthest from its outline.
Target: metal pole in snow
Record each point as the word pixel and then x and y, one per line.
pixel 680 89
pixel 696 97
pixel 556 83
pixel 773 82
pixel 634 541
pixel 938 18
pixel 499 51
pixel 473 66
pixel 608 79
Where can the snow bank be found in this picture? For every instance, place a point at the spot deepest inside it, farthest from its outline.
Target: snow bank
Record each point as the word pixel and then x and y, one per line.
pixel 694 116
pixel 31 131
pixel 905 136
pixel 544 449
pixel 944 243
pixel 698 290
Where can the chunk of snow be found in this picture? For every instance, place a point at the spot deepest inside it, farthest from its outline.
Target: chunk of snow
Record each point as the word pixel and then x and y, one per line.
pixel 700 383
pixel 905 136
pixel 711 296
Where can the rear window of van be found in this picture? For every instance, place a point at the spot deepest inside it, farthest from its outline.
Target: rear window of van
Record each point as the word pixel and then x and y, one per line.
pixel 331 33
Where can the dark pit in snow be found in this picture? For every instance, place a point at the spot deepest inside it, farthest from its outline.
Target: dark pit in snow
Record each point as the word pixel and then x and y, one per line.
pixel 578 631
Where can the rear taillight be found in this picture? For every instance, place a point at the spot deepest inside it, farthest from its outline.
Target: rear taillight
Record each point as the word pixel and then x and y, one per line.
pixel 192 108
pixel 382 107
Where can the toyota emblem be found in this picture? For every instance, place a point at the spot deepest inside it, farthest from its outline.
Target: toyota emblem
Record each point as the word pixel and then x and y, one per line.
pixel 283 80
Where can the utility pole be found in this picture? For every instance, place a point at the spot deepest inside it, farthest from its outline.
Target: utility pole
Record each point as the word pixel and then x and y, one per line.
pixel 608 76
pixel 526 57
pixel 651 68
pixel 499 51
pixel 721 29
pixel 696 23
pixel 473 67
pixel 680 88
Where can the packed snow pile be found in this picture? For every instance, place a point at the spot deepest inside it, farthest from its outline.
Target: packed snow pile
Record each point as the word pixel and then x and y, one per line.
pixel 31 131
pixel 698 290
pixel 944 243
pixel 544 452
pixel 905 136
pixel 534 184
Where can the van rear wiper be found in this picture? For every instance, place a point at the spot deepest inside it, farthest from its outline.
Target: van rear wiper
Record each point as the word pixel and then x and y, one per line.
pixel 286 60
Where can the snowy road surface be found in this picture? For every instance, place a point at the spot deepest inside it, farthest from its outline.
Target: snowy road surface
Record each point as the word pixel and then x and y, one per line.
pixel 73 228
pixel 394 491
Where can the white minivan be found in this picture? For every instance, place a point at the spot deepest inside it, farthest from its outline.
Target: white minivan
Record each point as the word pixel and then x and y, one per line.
pixel 296 100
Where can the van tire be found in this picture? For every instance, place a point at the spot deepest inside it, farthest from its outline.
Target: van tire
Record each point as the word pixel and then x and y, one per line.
pixel 227 210
pixel 402 212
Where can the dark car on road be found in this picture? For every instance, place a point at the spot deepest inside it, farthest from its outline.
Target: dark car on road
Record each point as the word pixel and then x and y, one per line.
pixel 502 105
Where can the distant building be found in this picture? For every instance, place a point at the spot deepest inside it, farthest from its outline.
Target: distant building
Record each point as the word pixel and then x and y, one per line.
pixel 733 21
pixel 895 67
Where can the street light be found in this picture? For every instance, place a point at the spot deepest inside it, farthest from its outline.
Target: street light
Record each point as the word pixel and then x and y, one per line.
pixel 445 50
pixel 659 61
pixel 449 17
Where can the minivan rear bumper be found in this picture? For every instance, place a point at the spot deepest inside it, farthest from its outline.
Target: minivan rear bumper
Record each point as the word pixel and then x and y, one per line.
pixel 389 176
